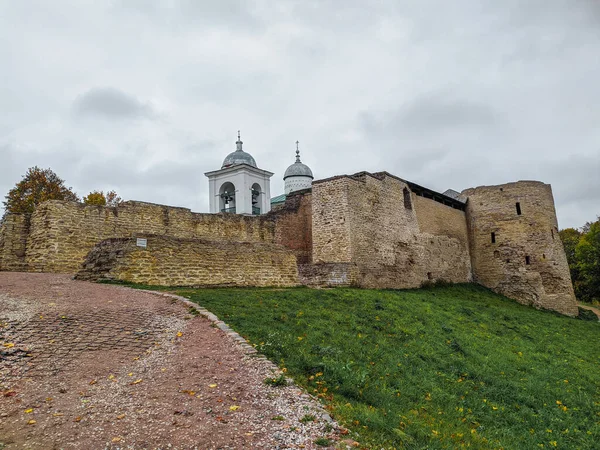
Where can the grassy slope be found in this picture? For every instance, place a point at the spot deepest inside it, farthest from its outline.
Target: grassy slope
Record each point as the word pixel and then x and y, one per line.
pixel 432 368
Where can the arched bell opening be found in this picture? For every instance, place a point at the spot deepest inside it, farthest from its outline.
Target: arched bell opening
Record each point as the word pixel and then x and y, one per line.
pixel 227 198
pixel 257 194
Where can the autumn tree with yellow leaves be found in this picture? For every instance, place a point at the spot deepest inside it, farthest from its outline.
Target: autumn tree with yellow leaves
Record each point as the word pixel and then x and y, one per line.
pixel 98 198
pixel 37 186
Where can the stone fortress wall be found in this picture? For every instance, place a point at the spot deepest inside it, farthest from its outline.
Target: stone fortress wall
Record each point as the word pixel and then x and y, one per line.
pixel 62 233
pixel 170 261
pixel 370 230
pixel 14 233
pixel 373 226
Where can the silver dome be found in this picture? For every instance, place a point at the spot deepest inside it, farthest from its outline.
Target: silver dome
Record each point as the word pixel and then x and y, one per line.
pixel 298 169
pixel 238 157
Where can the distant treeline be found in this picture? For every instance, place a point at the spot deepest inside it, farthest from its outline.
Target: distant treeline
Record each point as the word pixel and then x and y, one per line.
pixel 582 247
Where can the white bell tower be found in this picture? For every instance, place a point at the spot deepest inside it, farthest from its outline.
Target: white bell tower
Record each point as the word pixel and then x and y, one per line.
pixel 239 187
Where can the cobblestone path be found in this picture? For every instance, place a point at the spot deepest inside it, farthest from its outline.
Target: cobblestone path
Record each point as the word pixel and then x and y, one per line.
pixel 91 366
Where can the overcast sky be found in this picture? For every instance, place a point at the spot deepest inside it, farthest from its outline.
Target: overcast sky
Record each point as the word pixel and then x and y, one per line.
pixel 144 96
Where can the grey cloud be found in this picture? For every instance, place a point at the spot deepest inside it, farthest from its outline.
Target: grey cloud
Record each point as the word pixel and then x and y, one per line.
pixel 237 14
pixel 434 112
pixel 445 94
pixel 111 103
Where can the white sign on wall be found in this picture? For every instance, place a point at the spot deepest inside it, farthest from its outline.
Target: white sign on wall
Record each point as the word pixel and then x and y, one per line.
pixel 142 242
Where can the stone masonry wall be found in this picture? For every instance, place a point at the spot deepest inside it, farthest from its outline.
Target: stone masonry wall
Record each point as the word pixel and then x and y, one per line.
pixel 328 274
pixel 169 261
pixel 440 220
pixel 527 261
pixel 330 220
pixel 293 224
pixel 13 242
pixel 377 232
pixel 62 233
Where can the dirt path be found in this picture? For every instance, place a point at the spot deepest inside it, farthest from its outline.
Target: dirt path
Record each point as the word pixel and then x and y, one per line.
pixel 94 366
pixel 591 308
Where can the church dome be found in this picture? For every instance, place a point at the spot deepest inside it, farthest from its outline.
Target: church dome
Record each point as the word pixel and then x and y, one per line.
pixel 298 169
pixel 238 157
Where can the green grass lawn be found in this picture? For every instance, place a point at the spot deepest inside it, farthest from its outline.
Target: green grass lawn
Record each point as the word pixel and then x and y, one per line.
pixel 436 368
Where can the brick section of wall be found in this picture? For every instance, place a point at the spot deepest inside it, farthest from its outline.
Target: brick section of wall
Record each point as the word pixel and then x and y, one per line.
pixel 169 261
pixel 440 220
pixel 293 227
pixel 328 274
pixel 13 242
pixel 502 266
pixel 62 233
pixel 363 219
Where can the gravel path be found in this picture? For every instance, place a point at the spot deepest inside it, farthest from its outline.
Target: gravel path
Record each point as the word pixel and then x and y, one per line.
pixel 91 366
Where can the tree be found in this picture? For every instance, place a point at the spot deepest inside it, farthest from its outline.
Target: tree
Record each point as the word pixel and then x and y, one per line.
pixel 587 253
pixel 99 199
pixel 37 186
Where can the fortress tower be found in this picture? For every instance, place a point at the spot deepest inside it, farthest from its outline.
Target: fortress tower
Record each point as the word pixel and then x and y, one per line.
pixel 515 247
pixel 239 187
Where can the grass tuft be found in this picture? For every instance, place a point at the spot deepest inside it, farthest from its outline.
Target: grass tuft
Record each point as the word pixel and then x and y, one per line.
pixel 323 442
pixel 276 381
pixel 308 418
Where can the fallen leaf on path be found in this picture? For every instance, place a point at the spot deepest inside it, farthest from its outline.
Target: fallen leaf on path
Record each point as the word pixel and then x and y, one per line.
pixel 116 439
pixel 234 408
pixel 121 416
pixel 179 334
pixel 136 381
pixel 27 411
pixel 8 345
pixel 212 385
pixel 93 382
pixel 77 419
pixel 31 422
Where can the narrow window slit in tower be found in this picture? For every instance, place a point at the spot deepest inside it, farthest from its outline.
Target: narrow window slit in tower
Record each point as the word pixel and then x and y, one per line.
pixel 527 260
pixel 407 202
pixel 552 231
pixel 518 205
pixel 493 237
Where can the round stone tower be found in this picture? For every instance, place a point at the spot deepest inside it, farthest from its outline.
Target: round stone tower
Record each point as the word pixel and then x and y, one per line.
pixel 298 176
pixel 515 246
